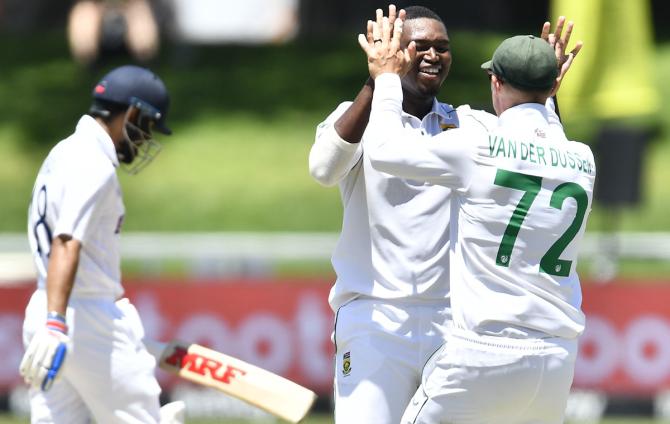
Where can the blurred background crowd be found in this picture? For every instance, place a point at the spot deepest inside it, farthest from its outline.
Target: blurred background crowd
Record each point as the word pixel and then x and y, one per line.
pixel 229 213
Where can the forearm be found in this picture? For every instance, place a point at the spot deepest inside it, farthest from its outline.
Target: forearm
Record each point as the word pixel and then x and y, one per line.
pixel 331 157
pixel 552 112
pixel 386 123
pixel 390 147
pixel 351 125
pixel 63 262
pixel 439 159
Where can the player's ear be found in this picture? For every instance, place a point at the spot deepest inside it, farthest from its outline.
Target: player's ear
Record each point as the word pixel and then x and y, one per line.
pixel 497 82
pixel 132 114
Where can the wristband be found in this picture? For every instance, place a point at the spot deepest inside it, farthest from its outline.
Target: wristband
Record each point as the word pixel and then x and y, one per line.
pixel 56 322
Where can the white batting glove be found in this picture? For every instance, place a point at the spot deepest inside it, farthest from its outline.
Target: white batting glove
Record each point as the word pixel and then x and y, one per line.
pixel 45 355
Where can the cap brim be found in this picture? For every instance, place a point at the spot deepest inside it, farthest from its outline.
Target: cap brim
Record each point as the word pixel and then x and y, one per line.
pixel 487 65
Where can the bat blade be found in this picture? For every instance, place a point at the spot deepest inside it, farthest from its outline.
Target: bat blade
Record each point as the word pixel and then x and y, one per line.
pixel 254 385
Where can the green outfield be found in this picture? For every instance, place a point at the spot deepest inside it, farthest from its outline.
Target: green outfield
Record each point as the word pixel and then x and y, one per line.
pixel 244 121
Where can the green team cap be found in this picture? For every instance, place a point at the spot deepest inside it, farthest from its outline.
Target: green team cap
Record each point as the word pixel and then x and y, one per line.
pixel 525 61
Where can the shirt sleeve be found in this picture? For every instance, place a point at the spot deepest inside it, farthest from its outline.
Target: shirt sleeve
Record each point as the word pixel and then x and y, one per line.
pixel 444 159
pixel 83 201
pixel 331 157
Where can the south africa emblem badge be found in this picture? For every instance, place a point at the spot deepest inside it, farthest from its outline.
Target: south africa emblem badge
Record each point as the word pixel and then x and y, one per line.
pixel 346 364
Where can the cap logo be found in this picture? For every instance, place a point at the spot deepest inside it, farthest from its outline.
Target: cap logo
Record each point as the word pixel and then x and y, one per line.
pixel 99 89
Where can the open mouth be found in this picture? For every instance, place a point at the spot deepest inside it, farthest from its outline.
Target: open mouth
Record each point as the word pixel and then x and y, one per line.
pixel 430 72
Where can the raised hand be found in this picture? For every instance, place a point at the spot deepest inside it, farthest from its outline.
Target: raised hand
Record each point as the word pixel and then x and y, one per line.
pixel 381 44
pixel 559 42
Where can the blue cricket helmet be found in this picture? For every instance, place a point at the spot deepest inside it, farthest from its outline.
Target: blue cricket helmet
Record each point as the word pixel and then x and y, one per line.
pixel 139 87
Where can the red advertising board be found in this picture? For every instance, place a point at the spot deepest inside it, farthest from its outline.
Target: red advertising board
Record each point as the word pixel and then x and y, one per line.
pixel 281 325
pixel 626 346
pixel 285 326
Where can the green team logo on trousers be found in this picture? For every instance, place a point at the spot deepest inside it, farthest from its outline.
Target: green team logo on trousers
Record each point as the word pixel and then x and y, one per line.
pixel 346 364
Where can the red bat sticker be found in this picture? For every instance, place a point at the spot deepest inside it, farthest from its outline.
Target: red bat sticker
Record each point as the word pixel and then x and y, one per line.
pixel 180 358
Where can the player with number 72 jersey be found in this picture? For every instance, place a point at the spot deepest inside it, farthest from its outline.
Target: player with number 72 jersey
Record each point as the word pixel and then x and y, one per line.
pixel 522 195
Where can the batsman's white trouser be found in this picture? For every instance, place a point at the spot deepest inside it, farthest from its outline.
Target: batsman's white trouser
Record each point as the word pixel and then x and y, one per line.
pixel 173 412
pixel 381 348
pixel 495 380
pixel 108 375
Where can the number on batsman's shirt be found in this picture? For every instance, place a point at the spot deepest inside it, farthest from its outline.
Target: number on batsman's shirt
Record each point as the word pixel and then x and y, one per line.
pixel 522 195
pixel 77 194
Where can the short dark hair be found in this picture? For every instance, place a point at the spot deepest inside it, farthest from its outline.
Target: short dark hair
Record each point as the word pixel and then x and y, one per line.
pixel 416 12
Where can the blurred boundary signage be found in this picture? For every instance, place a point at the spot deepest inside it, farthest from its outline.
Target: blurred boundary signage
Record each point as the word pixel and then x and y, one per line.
pixel 232 21
pixel 285 326
pixel 626 346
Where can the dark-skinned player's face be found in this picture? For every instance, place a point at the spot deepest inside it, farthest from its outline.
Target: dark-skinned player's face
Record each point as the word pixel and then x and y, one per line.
pixel 433 56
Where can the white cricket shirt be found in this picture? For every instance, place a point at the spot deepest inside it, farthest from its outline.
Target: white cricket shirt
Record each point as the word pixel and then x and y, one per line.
pixel 394 242
pixel 521 197
pixel 77 193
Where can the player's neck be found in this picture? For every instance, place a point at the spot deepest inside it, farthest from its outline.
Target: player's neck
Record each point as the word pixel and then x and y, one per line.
pixel 102 123
pixel 419 107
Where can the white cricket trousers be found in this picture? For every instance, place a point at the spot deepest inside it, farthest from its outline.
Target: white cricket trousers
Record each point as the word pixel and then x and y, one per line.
pixel 107 376
pixel 381 347
pixel 495 380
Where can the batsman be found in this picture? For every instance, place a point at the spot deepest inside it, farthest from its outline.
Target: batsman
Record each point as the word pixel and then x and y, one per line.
pixel 84 358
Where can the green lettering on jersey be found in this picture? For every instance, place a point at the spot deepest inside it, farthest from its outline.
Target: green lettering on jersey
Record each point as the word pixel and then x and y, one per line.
pixel 554 156
pixel 530 185
pixel 511 148
pixel 524 151
pixel 540 155
pixel 501 148
pixel 551 262
pixel 531 153
pixel 492 144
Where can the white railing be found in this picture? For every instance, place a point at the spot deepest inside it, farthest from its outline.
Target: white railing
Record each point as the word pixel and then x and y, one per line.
pixel 262 249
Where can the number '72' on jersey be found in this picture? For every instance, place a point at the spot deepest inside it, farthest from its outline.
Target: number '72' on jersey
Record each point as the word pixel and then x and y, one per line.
pixel 531 185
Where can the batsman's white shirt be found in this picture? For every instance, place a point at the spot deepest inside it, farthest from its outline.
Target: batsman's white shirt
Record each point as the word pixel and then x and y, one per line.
pixel 108 375
pixel 520 202
pixel 77 193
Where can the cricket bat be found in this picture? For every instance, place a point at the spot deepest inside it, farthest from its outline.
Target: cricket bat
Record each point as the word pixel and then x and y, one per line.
pixel 256 386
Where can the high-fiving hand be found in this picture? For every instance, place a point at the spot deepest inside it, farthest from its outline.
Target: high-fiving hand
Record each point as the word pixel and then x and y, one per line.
pixel 382 44
pixel 559 42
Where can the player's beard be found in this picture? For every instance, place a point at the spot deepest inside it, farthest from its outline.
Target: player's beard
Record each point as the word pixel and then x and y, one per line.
pixel 138 147
pixel 126 152
pixel 425 86
pixel 416 86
